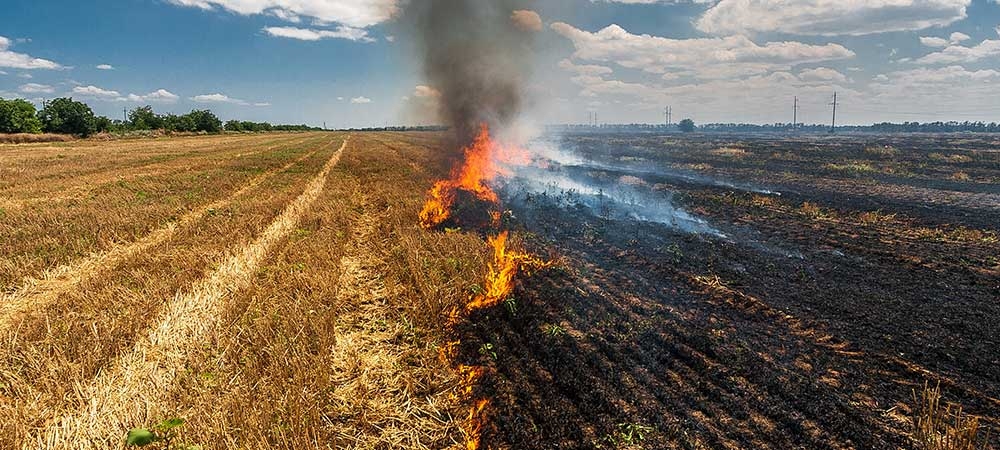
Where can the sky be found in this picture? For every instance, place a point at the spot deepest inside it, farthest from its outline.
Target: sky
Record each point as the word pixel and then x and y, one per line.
pixel 350 63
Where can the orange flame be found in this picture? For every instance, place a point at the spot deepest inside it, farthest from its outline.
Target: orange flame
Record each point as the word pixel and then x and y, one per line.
pixel 484 160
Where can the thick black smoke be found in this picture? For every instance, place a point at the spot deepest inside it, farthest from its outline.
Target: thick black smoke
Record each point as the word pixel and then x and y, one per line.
pixel 477 55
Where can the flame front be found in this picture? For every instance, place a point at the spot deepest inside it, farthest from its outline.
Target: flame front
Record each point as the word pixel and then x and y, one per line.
pixel 484 161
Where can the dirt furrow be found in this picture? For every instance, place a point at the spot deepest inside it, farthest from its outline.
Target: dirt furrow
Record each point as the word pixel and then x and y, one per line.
pixel 35 293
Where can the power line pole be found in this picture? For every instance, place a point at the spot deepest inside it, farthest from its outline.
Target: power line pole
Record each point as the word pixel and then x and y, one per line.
pixel 795 114
pixel 833 125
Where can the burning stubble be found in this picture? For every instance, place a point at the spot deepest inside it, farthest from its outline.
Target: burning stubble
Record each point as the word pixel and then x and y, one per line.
pixel 476 53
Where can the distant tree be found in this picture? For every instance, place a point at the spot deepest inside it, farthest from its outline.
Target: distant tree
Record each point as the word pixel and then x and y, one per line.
pixel 63 115
pixel 18 116
pixel 184 123
pixel 143 118
pixel 103 124
pixel 686 125
pixel 234 125
pixel 205 120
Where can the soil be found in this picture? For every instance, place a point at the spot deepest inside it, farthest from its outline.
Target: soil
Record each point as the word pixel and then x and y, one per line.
pixel 808 324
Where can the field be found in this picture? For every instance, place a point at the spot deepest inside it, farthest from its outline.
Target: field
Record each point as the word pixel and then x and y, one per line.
pixel 705 291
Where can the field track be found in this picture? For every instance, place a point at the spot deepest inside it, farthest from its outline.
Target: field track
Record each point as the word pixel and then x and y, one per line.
pixel 276 308
pixel 189 317
pixel 38 292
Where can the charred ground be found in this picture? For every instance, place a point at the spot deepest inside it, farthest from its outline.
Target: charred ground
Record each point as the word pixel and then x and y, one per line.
pixel 808 326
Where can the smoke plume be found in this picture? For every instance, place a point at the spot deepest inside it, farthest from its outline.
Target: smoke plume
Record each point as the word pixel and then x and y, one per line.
pixel 476 53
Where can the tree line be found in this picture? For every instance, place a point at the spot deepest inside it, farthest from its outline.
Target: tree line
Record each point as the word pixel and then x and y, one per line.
pixel 67 116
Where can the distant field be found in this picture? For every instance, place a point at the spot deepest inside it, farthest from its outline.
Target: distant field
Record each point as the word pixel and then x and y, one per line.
pixel 706 291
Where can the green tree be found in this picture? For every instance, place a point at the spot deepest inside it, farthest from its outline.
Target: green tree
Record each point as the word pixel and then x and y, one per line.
pixel 686 125
pixel 18 116
pixel 103 124
pixel 205 120
pixel 178 123
pixel 143 118
pixel 63 115
pixel 234 125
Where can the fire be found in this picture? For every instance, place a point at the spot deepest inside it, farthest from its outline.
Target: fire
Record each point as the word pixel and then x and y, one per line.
pixel 484 161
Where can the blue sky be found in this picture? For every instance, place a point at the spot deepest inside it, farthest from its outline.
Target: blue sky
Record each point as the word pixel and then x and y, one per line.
pixel 349 63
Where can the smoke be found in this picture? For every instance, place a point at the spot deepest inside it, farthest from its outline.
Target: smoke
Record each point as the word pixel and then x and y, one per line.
pixel 477 54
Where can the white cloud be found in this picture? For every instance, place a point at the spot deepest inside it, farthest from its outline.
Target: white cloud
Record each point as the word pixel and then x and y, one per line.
pixel 957 37
pixel 26 76
pixel 722 57
pixel 584 69
pixel 959 54
pixel 353 13
pixel 361 100
pixel 35 88
pixel 826 17
pixel 16 60
pixel 222 98
pixel 930 41
pixel 954 39
pixel 96 92
pixel 157 96
pixel 105 67
pixel 822 75
pixel 311 34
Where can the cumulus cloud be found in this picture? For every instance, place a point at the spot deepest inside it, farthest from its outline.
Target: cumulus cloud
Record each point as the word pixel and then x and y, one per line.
pixel 35 88
pixel 222 98
pixel 96 92
pixel 526 20
pixel 16 60
pixel 105 67
pixel 311 34
pixel 157 96
pixel 955 39
pixel 584 69
pixel 822 75
pixel 722 57
pixel 960 54
pixel 353 13
pixel 361 100
pixel 824 17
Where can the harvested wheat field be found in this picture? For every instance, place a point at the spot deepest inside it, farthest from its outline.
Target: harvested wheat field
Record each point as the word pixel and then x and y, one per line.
pixel 272 290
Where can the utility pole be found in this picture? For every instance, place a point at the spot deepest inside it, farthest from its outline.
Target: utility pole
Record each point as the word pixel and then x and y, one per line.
pixel 670 115
pixel 795 114
pixel 833 125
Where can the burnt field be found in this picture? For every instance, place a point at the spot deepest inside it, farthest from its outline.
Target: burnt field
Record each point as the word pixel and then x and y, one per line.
pixel 717 291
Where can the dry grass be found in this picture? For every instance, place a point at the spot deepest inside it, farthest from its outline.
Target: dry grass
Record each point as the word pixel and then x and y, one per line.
pixel 127 393
pixel 55 348
pixel 28 138
pixel 292 314
pixel 120 205
pixel 730 152
pixel 884 151
pixel 944 427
